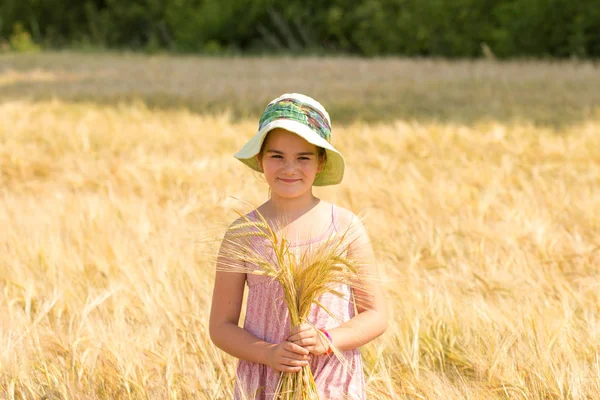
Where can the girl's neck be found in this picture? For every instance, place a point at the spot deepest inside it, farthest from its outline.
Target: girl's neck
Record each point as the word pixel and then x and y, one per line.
pixel 291 209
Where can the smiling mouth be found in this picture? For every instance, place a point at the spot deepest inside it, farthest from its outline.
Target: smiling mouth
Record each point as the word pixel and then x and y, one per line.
pixel 289 180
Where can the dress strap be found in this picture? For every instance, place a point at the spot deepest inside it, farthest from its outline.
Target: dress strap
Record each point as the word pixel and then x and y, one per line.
pixel 334 217
pixel 254 215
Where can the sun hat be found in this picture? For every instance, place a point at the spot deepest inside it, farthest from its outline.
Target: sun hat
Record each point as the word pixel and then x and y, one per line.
pixel 307 118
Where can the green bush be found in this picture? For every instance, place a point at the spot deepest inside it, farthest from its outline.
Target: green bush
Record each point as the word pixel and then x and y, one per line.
pixel 20 40
pixel 447 28
pixel 213 24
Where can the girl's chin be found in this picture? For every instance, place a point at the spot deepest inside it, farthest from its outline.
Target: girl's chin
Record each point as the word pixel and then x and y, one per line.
pixel 288 194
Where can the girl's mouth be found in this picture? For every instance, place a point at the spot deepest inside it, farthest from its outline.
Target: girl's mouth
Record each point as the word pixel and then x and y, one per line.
pixel 289 180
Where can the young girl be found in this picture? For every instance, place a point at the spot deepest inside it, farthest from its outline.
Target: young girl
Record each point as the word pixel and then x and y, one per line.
pixel 292 149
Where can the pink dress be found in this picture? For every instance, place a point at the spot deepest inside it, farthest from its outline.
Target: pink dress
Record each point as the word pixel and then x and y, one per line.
pixel 267 318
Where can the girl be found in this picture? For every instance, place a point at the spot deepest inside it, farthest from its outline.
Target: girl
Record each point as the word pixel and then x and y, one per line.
pixel 292 149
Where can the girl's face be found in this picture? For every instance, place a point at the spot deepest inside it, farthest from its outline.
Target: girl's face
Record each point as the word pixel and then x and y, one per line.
pixel 289 163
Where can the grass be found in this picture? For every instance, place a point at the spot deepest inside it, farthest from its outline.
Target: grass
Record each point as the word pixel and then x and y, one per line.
pixel 548 93
pixel 486 233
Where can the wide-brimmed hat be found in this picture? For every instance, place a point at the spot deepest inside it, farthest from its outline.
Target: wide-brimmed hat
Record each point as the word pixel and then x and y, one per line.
pixel 308 119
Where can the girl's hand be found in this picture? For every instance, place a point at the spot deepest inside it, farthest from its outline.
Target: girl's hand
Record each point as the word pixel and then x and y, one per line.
pixel 287 357
pixel 307 336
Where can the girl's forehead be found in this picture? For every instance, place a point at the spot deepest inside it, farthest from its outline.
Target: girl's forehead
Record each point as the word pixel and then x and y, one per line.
pixel 281 138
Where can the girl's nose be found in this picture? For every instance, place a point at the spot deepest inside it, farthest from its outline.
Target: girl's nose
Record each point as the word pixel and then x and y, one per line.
pixel 289 166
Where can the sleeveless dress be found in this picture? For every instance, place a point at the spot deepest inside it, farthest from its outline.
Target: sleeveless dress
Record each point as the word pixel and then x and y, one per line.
pixel 267 318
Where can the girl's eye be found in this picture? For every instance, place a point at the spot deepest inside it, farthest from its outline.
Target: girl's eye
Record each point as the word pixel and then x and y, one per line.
pixel 276 156
pixel 304 158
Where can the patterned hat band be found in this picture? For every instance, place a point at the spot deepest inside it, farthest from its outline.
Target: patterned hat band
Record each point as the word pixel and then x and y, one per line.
pixel 296 110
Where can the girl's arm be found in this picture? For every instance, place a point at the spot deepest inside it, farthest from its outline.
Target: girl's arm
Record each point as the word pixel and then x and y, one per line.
pixel 228 336
pixel 371 319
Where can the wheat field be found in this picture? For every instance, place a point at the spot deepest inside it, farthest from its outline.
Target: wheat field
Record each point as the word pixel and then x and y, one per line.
pixel 487 236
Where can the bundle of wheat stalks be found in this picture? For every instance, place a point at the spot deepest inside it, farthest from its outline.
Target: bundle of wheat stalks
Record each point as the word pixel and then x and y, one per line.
pixel 304 278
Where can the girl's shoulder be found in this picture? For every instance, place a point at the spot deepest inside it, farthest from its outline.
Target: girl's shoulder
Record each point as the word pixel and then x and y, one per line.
pixel 345 219
pixel 351 226
pixel 251 217
pixel 244 229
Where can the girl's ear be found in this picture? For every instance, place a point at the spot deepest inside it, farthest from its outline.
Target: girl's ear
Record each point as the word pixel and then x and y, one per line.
pixel 259 161
pixel 322 160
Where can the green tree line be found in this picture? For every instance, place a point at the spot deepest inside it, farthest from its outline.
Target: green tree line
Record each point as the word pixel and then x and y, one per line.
pixel 447 28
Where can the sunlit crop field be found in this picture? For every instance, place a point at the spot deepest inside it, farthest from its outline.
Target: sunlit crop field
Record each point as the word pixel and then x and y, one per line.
pixel 487 235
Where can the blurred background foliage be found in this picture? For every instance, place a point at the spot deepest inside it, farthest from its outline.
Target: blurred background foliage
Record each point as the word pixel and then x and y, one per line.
pixel 445 28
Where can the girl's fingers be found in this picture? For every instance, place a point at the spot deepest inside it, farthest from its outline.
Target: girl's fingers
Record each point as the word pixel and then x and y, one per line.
pixel 290 362
pixel 303 333
pixel 294 348
pixel 285 368
pixel 295 356
pixel 300 328
pixel 295 338
pixel 306 342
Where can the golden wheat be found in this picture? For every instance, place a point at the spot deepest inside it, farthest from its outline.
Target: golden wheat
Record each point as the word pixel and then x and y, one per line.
pixel 487 236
